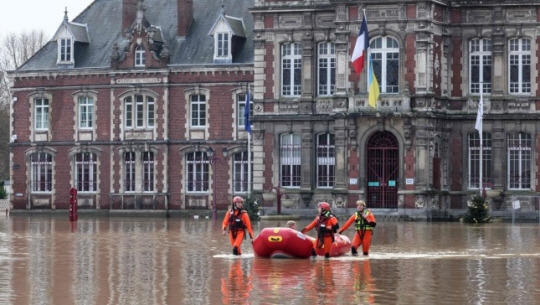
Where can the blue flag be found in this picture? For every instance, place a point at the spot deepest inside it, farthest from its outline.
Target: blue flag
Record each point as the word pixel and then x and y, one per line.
pixel 246 113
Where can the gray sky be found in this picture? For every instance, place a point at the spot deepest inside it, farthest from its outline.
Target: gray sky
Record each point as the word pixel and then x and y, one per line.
pixel 18 16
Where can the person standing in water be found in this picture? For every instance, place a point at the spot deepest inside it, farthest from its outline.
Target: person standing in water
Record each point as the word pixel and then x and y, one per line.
pixel 237 220
pixel 364 222
pixel 326 225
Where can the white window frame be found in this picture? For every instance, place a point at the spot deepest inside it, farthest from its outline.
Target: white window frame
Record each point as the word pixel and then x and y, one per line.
pixel 240 172
pixel 223 45
pixel 130 171
pixel 519 154
pixel 86 112
pixel 384 52
pixel 291 69
pixel 290 151
pixel 241 102
pixel 197 172
pixel 197 110
pixel 140 56
pixel 86 172
pixel 41 165
pixel 519 62
pixel 474 160
pixel 139 111
pixel 326 160
pixel 480 55
pixel 326 69
pixel 41 113
pixel 65 50
pixel 148 162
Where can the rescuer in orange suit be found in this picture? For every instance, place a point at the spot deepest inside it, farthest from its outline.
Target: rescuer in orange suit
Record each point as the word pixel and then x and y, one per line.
pixel 364 222
pixel 326 225
pixel 237 220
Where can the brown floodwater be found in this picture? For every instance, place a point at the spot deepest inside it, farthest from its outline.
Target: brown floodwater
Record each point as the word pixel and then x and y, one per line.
pixel 48 260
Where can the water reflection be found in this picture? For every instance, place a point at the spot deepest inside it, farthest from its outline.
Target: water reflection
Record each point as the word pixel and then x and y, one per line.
pixel 47 260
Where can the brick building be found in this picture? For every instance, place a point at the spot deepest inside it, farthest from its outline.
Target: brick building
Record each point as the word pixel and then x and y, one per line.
pixel 139 105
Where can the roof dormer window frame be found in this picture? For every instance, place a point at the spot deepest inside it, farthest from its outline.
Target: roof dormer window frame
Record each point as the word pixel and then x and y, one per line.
pixel 222 48
pixel 140 56
pixel 66 45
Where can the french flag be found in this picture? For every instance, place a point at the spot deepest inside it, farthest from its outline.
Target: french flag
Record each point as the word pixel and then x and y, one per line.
pixel 360 48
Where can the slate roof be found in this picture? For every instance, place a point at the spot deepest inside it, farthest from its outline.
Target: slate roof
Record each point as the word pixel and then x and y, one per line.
pixel 104 21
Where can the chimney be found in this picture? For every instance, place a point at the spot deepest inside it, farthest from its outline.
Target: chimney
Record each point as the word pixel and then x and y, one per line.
pixel 129 11
pixel 185 16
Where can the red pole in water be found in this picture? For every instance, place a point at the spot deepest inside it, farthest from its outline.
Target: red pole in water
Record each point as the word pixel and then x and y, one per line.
pixel 73 204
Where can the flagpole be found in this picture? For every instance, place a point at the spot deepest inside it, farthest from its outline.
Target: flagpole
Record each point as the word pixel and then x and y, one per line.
pixel 481 104
pixel 247 108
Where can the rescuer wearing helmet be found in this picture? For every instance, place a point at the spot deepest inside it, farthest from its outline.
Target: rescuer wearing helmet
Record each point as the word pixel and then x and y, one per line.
pixel 364 222
pixel 237 220
pixel 326 225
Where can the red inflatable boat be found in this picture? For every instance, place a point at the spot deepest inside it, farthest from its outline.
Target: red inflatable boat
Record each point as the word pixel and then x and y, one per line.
pixel 282 243
pixel 289 243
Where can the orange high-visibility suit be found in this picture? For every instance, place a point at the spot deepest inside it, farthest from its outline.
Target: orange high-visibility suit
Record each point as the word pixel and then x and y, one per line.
pixel 238 222
pixel 364 223
pixel 326 224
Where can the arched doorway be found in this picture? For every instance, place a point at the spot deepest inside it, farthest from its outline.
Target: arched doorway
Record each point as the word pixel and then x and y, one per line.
pixel 382 170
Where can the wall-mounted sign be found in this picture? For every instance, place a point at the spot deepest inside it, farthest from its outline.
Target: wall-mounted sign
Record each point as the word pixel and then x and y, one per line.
pixel 391 182
pixel 353 181
pixel 409 181
pixel 373 183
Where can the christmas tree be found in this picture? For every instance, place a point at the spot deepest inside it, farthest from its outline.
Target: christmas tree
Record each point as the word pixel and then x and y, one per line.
pixel 477 210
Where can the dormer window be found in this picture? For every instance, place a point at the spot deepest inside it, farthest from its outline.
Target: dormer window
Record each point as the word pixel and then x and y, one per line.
pixel 140 59
pixel 65 50
pixel 222 45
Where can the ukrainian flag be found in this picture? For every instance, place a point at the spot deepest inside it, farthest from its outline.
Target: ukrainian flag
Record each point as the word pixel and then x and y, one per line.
pixel 373 86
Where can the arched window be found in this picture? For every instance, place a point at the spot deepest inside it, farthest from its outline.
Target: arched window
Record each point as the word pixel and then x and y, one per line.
pixel 519 66
pixel 384 52
pixel 480 65
pixel 139 111
pixel 41 165
pixel 240 175
pixel 474 159
pixel 326 68
pixel 197 174
pixel 290 156
pixel 291 69
pixel 326 160
pixel 519 153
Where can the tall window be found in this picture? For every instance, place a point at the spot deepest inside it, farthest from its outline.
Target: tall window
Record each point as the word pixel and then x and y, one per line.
pixel 519 160
pixel 480 65
pixel 241 100
pixel 291 69
pixel 290 152
pixel 86 112
pixel 140 57
pixel 384 53
pixel 519 62
pixel 240 175
pixel 86 167
pixel 222 45
pixel 327 68
pixel 129 171
pixel 139 111
pixel 326 161
pixel 65 50
pixel 148 171
pixel 198 110
pixel 41 164
pixel 474 159
pixel 198 165
pixel 41 108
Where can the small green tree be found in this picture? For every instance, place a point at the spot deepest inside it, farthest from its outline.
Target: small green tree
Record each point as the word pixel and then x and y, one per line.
pixel 477 210
pixel 3 194
pixel 252 207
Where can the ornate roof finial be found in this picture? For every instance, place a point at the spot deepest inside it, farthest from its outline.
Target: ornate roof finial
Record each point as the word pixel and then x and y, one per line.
pixel 223 7
pixel 65 15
